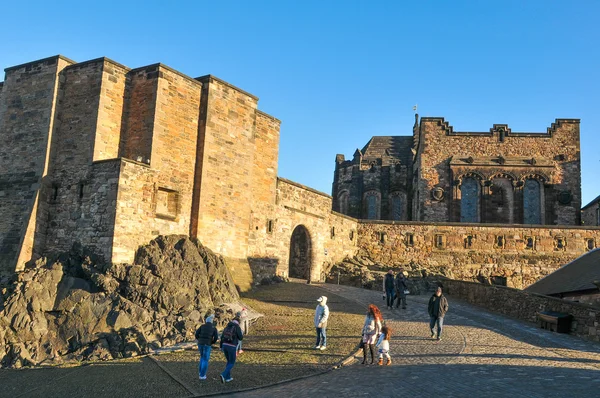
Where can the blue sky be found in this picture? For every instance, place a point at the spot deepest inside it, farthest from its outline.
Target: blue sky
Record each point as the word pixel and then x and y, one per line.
pixel 338 72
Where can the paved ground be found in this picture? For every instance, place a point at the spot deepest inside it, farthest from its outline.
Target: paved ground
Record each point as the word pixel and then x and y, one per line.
pixel 481 354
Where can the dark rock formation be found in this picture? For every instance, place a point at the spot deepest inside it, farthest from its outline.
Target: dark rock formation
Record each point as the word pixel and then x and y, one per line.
pixel 73 308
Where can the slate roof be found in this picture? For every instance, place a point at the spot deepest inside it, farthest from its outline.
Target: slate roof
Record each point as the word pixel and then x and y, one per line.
pixel 593 202
pixel 576 276
pixel 394 147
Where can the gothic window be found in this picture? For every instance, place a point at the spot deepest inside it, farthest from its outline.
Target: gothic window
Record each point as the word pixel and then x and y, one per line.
pixel 598 216
pixel 469 200
pixel 532 202
pixel 396 207
pixel 343 202
pixel 372 205
pixel 499 207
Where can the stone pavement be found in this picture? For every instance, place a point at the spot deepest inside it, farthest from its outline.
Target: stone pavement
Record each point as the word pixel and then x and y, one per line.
pixel 480 354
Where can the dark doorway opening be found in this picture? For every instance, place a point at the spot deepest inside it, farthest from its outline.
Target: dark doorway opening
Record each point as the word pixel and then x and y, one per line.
pixel 300 253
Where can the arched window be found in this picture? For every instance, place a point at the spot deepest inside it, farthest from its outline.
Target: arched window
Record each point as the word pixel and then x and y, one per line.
pixel 372 205
pixel 532 213
pixel 469 200
pixel 397 206
pixel 343 202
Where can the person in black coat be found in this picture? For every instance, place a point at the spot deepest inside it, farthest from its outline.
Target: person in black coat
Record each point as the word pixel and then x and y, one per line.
pixel 388 288
pixel 206 335
pixel 231 336
pixel 437 308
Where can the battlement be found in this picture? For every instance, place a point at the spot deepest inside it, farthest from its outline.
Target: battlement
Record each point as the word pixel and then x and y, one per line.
pixel 500 130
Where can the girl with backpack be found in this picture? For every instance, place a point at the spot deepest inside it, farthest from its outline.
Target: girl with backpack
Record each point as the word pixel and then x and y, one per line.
pixel 231 336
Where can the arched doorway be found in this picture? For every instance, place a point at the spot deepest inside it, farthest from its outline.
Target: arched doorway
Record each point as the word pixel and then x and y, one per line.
pixel 300 253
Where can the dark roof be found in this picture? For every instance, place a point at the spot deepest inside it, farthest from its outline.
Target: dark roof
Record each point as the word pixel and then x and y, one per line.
pixel 576 276
pixel 591 203
pixel 389 147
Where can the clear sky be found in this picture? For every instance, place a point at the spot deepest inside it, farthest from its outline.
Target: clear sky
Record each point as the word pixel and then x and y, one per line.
pixel 338 72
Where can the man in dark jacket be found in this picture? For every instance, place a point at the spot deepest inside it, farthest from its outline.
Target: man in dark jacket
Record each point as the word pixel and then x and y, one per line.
pixel 388 288
pixel 437 308
pixel 231 336
pixel 401 288
pixel 206 335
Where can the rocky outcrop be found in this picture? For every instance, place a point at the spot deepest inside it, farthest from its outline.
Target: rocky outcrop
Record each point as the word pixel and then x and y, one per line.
pixel 73 308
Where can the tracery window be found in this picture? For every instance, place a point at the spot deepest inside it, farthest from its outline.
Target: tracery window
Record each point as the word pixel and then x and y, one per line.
pixel 397 207
pixel 372 205
pixel 469 200
pixel 532 202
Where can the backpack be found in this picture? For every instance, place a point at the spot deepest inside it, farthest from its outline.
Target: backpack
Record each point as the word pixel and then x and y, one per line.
pixel 228 333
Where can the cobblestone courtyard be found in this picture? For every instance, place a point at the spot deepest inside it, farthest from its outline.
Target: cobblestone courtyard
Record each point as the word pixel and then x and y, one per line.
pixel 481 354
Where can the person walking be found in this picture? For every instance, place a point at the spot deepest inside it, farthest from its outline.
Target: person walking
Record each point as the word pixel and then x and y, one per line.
pixel 437 308
pixel 321 317
pixel 230 338
pixel 206 335
pixel 401 288
pixel 244 325
pixel 388 288
pixel 370 332
pixel 383 344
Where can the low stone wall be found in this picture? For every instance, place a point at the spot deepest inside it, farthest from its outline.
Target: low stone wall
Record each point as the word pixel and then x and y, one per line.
pixel 524 305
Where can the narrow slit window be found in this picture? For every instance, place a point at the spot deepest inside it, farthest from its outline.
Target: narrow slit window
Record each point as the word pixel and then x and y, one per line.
pixel 270 226
pixel 410 240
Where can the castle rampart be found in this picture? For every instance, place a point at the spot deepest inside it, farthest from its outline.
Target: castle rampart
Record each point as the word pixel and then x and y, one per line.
pixel 111 157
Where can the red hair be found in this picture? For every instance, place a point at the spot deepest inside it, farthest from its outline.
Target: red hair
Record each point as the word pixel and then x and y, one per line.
pixel 374 310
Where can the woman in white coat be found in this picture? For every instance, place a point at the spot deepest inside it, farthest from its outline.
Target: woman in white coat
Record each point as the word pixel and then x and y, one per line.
pixel 370 332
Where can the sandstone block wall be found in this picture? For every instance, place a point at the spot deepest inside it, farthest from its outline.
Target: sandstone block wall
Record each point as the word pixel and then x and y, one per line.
pixel 473 252
pixel 524 305
pixel 27 119
pixel 332 236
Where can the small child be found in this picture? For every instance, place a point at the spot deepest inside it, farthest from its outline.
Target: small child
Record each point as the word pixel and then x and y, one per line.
pixel 384 345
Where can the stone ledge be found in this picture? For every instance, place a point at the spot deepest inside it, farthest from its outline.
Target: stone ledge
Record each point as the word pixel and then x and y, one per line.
pixel 52 58
pixel 478 225
pixel 207 78
pixel 97 60
pixel 296 184
pixel 263 114
pixel 335 213
pixel 160 65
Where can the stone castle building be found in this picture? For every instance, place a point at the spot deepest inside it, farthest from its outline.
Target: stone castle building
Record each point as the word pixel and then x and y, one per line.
pixel 442 175
pixel 98 153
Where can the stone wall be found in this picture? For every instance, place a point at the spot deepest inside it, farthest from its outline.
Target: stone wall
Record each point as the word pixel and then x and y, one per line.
pixel 27 122
pixel 228 155
pixel 332 236
pixel 473 251
pixel 524 305
pixel 444 156
pixel 590 215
